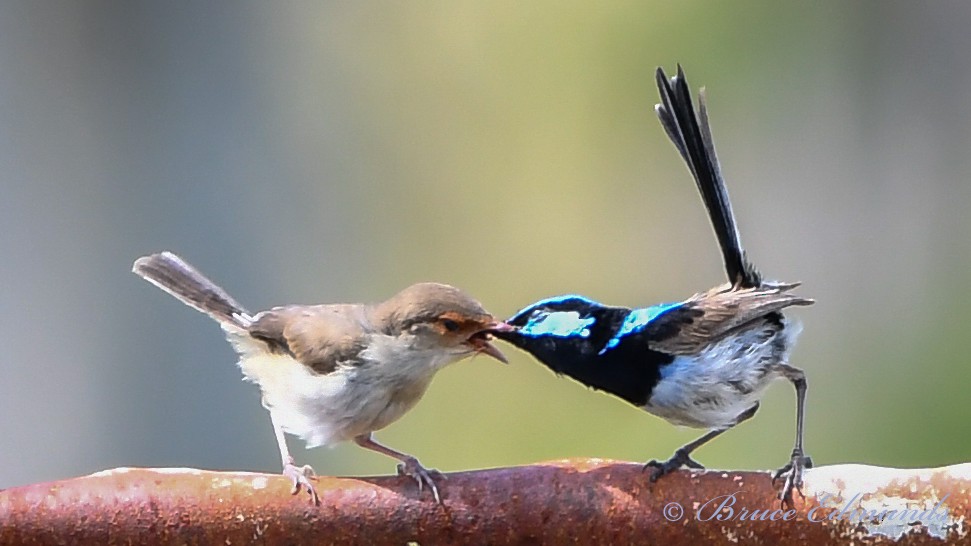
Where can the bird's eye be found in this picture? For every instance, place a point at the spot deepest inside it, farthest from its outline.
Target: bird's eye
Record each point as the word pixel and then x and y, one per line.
pixel 450 325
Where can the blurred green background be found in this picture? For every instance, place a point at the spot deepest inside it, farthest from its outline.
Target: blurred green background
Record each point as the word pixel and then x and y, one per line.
pixel 328 152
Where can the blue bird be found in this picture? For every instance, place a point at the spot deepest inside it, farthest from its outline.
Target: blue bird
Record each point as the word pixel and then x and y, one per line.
pixel 703 362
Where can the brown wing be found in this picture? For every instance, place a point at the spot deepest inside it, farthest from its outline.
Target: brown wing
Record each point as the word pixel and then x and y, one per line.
pixel 319 336
pixel 709 316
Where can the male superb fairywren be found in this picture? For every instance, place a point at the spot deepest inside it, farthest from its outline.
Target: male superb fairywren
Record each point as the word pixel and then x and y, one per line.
pixel 336 372
pixel 703 362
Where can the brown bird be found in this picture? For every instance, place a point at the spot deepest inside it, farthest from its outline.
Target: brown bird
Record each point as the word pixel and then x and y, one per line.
pixel 331 373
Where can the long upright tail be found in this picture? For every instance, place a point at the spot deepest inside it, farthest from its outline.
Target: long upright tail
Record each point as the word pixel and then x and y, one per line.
pixel 174 275
pixel 692 137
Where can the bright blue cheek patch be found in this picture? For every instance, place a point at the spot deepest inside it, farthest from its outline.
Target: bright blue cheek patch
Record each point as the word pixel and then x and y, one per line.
pixel 559 324
pixel 636 321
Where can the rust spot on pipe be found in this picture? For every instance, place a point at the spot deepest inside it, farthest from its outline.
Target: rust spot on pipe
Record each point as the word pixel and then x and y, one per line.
pixel 588 501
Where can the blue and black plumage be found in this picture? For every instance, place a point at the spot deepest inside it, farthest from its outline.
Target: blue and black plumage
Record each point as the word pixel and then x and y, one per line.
pixel 702 362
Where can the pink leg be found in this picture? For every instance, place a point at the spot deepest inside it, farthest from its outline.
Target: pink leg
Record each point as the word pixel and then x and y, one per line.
pixel 409 465
pixel 299 475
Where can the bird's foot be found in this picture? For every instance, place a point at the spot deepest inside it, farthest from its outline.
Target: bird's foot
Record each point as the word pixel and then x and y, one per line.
pixel 423 476
pixel 679 459
pixel 300 476
pixel 793 473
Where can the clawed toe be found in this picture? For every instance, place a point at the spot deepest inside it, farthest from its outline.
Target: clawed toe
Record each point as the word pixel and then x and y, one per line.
pixel 679 459
pixel 300 476
pixel 422 476
pixel 792 471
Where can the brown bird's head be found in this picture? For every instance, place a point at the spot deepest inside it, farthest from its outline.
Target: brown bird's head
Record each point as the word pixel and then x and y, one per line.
pixel 443 317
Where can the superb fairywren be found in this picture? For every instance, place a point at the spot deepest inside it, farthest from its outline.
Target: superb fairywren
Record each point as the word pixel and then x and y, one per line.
pixel 336 372
pixel 703 362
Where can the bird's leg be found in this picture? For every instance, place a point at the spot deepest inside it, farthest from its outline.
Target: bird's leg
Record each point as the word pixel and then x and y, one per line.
pixel 682 456
pixel 409 465
pixel 799 461
pixel 299 475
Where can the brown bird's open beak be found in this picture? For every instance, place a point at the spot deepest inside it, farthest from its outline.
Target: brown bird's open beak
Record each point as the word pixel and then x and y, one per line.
pixel 480 341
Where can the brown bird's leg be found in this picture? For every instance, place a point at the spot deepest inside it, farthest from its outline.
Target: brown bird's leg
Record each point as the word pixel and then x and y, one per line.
pixel 409 465
pixel 799 461
pixel 299 475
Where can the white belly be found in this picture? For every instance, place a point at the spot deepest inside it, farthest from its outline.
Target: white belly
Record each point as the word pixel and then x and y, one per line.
pixel 712 388
pixel 325 409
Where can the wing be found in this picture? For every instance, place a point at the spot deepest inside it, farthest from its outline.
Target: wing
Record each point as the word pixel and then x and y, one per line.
pixel 709 316
pixel 318 336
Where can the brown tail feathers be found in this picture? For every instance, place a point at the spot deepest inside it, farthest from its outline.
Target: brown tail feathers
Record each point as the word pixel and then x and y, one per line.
pixel 174 275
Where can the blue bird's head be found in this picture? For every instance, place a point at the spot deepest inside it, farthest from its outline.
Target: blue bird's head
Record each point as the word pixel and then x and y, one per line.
pixel 560 330
pixel 562 316
pixel 570 335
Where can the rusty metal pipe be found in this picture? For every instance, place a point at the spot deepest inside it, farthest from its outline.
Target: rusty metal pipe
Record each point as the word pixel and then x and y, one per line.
pixel 585 501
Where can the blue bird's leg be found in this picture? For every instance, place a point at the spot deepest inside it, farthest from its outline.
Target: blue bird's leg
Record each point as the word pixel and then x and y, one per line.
pixel 799 461
pixel 682 456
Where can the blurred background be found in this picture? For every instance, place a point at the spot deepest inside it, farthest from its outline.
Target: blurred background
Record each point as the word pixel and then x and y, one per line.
pixel 331 152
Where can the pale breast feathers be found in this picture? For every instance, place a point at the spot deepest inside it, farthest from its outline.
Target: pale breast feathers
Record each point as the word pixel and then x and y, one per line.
pixel 318 336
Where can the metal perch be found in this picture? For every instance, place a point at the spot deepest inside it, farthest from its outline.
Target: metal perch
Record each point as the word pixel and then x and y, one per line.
pixel 585 501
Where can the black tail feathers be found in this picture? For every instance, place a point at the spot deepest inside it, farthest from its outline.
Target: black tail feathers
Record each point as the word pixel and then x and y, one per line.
pixel 174 275
pixel 691 135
